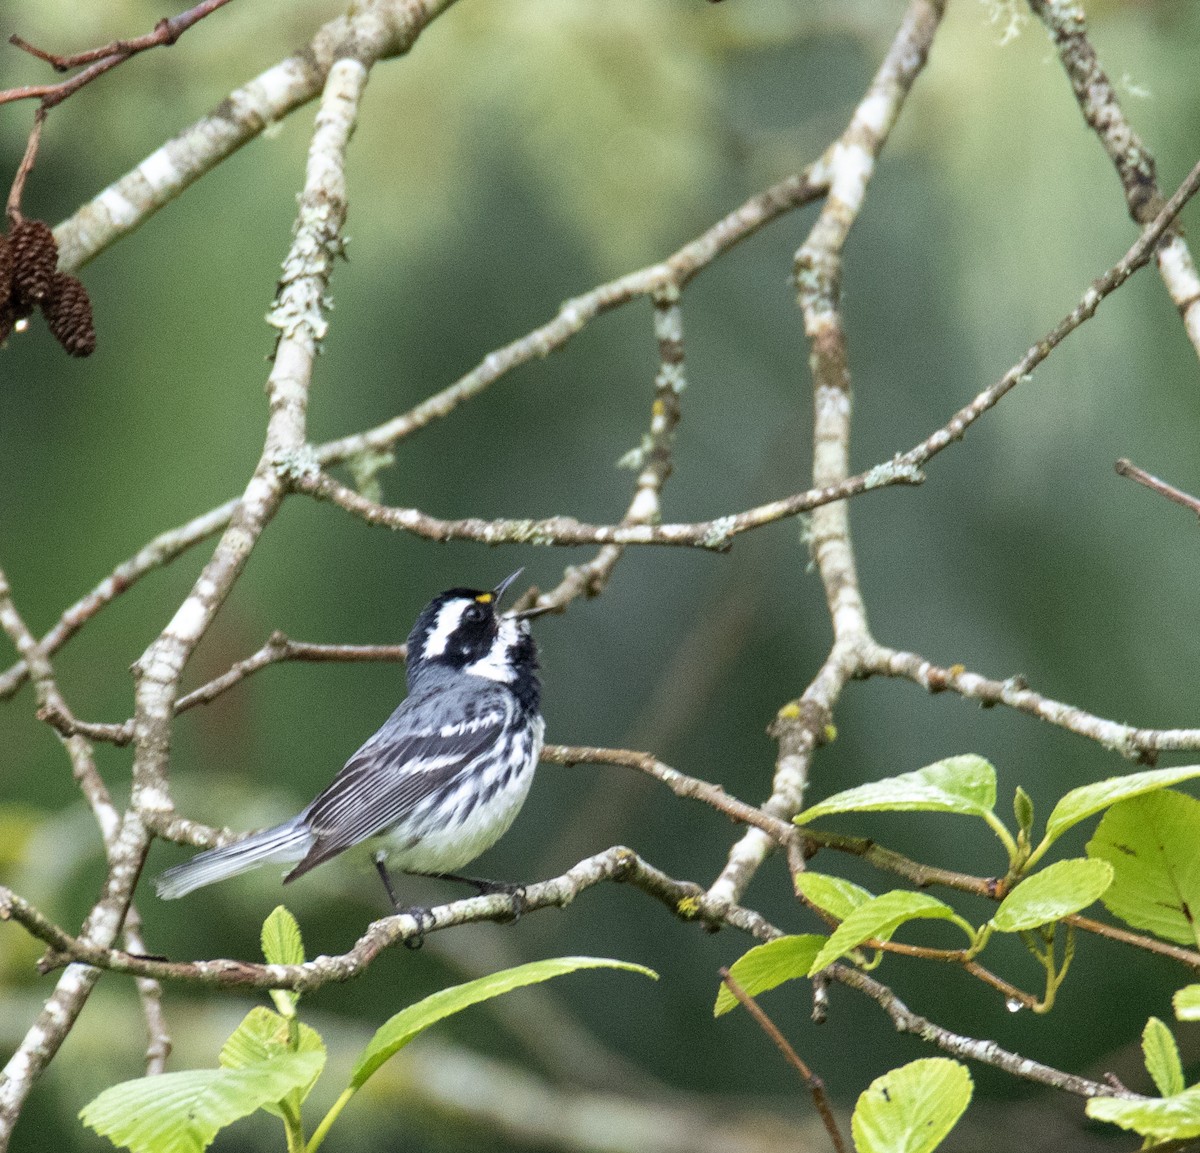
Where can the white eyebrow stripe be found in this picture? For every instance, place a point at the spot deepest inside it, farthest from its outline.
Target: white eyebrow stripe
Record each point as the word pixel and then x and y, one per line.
pixel 448 619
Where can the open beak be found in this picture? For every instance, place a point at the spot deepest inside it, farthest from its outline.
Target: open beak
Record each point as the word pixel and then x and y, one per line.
pixel 524 614
pixel 502 587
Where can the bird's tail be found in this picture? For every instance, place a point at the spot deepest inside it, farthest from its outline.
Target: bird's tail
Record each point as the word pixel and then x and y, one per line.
pixel 283 843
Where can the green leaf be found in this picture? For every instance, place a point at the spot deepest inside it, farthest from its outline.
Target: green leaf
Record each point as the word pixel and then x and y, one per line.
pixel 965 784
pixel 911 1109
pixel 878 919
pixel 396 1032
pixel 834 895
pixel 766 966
pixel 283 945
pixel 1053 893
pixel 1164 1118
pixel 1023 810
pixel 1187 1003
pixel 183 1112
pixel 261 1037
pixel 1150 841
pixel 1081 803
pixel 1162 1058
pixel 281 940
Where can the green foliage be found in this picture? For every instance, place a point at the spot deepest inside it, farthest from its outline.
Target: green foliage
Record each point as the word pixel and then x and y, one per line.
pixel 879 918
pixel 1186 1003
pixel 183 1112
pixel 264 1035
pixel 1081 803
pixel 965 784
pixel 282 945
pixel 1053 893
pixel 834 895
pixel 911 1109
pixel 1161 1119
pixel 1162 1058
pixel 272 1060
pixel 395 1033
pixel 766 966
pixel 1150 842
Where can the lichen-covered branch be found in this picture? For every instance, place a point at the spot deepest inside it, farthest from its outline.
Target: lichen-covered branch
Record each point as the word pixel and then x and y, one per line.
pixel 1141 745
pixel 298 316
pixel 847 165
pixel 373 28
pixel 1067 25
pixel 684 898
pixel 971 1048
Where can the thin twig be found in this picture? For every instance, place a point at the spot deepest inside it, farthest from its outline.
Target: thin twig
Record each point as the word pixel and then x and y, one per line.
pixel 15 192
pixel 1128 468
pixel 983 1051
pixel 104 59
pixel 814 1083
pixel 1138 745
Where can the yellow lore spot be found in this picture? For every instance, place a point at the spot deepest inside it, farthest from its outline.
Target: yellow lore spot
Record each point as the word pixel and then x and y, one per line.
pixel 789 712
pixel 485 598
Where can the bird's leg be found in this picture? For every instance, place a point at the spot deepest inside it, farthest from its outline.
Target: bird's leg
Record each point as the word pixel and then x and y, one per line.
pixel 485 888
pixel 418 914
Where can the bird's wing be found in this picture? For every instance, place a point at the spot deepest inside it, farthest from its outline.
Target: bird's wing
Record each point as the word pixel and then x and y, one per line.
pixel 412 760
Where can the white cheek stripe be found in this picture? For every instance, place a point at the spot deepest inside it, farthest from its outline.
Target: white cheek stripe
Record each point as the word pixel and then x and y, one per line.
pixel 448 618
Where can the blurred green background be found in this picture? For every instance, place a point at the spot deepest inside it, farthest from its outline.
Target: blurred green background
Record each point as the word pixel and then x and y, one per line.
pixel 521 154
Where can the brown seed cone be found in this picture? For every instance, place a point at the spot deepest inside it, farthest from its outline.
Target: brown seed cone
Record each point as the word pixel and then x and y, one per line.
pixel 34 258
pixel 6 270
pixel 69 314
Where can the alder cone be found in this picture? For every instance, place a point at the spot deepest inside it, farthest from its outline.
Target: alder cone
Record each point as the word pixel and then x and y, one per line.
pixel 6 271
pixel 34 254
pixel 68 312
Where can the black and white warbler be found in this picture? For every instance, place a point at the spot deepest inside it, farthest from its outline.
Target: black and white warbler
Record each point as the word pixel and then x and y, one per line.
pixel 445 776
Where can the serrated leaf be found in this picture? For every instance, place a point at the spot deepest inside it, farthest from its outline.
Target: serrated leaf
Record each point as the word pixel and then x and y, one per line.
pixel 263 1036
pixel 965 784
pixel 283 945
pixel 834 895
pixel 878 919
pixel 911 1109
pixel 1164 1118
pixel 183 1112
pixel 1081 803
pixel 766 966
pixel 1187 1003
pixel 1052 893
pixel 281 940
pixel 1150 841
pixel 399 1030
pixel 1162 1058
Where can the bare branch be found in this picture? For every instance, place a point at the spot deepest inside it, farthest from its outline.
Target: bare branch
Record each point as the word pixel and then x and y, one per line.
pixel 1140 745
pixel 1067 25
pixel 814 1083
pixel 685 899
pixel 1128 468
pixel 985 1052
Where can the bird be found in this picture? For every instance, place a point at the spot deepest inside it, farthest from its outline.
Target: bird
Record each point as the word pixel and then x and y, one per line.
pixel 444 776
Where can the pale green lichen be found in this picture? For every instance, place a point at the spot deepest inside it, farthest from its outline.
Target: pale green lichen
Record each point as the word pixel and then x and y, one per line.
pixel 297 464
pixel 719 532
pixel 365 468
pixel 635 458
pixel 893 471
pixel 1007 15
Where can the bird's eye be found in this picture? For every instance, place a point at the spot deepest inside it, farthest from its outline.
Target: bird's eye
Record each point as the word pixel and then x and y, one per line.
pixel 473 613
